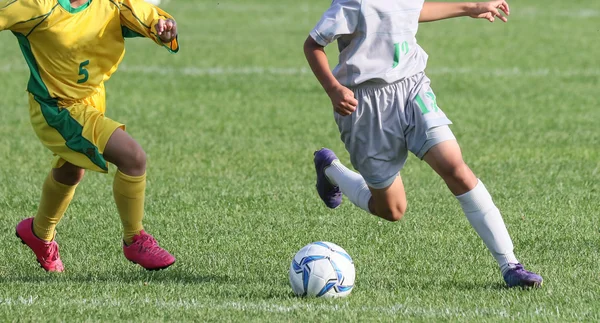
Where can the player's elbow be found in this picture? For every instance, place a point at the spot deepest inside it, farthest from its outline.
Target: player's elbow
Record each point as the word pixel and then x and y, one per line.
pixel 310 45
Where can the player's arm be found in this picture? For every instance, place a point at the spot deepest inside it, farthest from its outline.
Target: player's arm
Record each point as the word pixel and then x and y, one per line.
pixel 19 15
pixel 489 10
pixel 143 19
pixel 340 19
pixel 341 97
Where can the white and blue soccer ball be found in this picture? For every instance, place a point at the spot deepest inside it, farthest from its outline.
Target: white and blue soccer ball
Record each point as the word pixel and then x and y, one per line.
pixel 322 269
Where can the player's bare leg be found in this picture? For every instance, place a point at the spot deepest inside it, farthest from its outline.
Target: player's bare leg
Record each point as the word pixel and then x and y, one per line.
pixel 125 153
pixel 129 191
pixel 389 203
pixel 68 174
pixel 446 159
pixel 38 233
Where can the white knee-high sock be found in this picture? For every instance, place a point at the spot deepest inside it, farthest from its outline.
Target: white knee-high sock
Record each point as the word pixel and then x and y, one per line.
pixel 351 184
pixel 485 218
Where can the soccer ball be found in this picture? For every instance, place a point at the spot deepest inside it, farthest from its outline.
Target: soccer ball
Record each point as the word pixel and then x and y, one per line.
pixel 322 269
pixel 154 2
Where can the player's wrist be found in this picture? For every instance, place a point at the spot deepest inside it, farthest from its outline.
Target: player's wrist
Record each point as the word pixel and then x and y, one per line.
pixel 469 8
pixel 332 87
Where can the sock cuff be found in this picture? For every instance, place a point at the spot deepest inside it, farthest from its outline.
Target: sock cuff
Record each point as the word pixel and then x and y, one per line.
pixel 129 178
pixel 129 186
pixel 477 199
pixel 338 166
pixel 64 188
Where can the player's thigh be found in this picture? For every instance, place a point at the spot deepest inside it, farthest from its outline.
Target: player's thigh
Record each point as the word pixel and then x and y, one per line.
pixel 444 157
pixel 389 202
pixel 77 134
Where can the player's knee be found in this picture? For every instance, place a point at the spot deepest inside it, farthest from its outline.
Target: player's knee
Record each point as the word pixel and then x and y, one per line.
pixel 461 173
pixel 68 175
pixel 456 172
pixel 397 212
pixel 137 160
pixel 393 212
pixel 132 161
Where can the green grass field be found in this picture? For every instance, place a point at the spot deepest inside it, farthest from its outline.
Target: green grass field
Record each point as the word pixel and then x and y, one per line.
pixel 230 124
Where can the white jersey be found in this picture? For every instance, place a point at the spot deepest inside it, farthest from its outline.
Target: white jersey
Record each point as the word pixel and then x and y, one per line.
pixel 376 39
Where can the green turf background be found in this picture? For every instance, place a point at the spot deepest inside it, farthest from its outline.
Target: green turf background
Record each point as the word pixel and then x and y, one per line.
pixel 229 125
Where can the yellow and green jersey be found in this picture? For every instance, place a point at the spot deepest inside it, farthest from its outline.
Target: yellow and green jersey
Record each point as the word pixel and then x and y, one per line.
pixel 72 51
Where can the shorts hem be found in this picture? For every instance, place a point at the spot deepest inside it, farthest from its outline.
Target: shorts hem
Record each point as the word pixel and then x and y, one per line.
pixel 382 184
pixel 443 133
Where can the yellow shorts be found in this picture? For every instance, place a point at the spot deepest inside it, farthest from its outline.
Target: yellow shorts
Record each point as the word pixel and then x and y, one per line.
pixel 75 131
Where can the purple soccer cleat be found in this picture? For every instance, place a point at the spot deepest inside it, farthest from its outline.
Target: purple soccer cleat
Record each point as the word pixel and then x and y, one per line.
pixel 329 193
pixel 519 277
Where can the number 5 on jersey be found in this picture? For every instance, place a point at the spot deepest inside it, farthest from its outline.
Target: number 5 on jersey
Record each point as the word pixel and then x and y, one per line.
pixel 83 72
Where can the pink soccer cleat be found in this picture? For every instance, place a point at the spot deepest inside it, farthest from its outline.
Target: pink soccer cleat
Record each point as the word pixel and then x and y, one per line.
pixel 145 252
pixel 46 252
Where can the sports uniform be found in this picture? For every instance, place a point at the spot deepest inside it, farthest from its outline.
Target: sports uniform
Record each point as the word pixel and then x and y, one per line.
pixel 71 53
pixel 396 112
pixel 382 63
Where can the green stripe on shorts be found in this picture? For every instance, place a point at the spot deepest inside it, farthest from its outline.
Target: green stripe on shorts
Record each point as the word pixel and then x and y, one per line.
pixel 71 131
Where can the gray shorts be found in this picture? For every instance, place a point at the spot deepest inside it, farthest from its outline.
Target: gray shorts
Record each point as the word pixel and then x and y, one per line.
pixel 390 120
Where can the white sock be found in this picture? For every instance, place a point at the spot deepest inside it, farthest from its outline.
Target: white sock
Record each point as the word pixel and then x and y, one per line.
pixel 485 218
pixel 351 184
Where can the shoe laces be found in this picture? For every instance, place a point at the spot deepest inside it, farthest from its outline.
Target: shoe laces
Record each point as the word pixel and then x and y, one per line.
pixel 51 252
pixel 149 245
pixel 519 268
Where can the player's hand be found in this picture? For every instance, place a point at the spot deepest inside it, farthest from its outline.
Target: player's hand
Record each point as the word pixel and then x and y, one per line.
pixel 490 10
pixel 167 30
pixel 343 100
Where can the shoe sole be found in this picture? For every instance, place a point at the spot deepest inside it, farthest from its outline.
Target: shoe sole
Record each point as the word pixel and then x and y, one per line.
pixel 153 269
pixel 534 285
pixel 538 285
pixel 38 261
